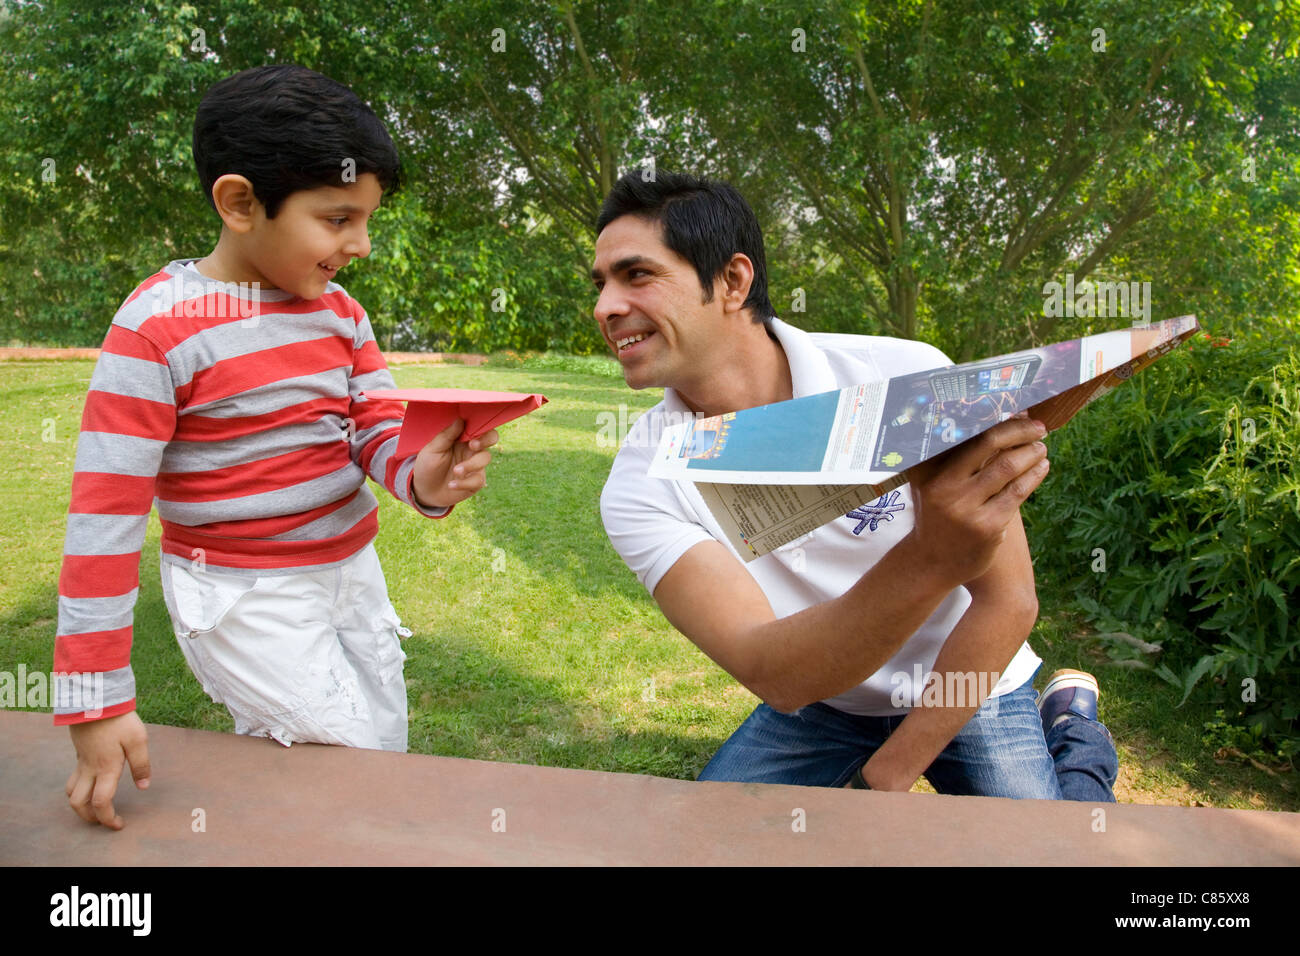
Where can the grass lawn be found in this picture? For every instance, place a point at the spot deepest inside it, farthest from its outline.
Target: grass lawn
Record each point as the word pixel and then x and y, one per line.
pixel 532 642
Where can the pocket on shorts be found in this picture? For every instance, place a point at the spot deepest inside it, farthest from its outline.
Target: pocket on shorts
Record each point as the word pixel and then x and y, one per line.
pixel 198 601
pixel 389 634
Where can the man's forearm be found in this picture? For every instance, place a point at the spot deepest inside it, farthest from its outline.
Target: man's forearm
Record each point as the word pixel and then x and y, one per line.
pixel 965 516
pixel 981 645
pixel 834 646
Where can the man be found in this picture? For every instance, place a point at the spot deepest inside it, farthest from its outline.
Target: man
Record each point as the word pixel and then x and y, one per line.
pixel 828 630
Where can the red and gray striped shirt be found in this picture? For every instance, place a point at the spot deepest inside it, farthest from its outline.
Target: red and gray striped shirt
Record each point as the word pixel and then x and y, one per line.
pixel 237 409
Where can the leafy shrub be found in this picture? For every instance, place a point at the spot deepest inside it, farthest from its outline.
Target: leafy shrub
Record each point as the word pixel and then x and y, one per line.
pixel 63 301
pixel 1173 513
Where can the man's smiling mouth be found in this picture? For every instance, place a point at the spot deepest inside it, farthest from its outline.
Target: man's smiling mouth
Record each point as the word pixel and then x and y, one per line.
pixel 627 342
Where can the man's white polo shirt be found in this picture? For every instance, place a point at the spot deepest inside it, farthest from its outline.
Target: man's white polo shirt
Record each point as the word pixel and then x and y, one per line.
pixel 652 522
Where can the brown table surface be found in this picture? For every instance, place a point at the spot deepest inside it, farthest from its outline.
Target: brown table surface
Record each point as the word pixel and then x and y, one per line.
pixel 266 805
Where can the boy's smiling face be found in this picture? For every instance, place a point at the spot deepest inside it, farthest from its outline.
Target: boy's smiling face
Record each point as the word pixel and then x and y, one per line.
pixel 315 233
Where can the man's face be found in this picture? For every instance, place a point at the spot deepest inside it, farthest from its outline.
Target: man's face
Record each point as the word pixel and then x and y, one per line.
pixel 649 309
pixel 315 234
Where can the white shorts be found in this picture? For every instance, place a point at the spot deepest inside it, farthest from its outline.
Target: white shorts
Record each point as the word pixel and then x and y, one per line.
pixel 314 657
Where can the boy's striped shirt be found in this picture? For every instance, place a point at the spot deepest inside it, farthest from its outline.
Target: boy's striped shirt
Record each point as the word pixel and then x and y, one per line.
pixel 238 410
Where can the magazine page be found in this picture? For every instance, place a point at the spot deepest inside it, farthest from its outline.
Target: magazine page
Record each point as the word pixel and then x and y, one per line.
pixel 773 473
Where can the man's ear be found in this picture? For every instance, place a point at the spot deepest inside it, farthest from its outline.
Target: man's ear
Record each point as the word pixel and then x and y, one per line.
pixel 235 201
pixel 737 276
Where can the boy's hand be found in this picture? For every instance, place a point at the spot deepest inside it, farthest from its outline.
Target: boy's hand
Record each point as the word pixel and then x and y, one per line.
pixel 102 746
pixel 448 471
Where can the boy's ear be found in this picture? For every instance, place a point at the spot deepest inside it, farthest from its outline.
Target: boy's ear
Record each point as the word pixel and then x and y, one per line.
pixel 235 201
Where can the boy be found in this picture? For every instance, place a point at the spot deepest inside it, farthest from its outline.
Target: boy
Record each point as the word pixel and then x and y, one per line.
pixel 229 389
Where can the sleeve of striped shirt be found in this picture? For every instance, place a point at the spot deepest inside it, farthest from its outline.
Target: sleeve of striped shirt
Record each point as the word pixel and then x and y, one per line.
pixel 378 423
pixel 129 416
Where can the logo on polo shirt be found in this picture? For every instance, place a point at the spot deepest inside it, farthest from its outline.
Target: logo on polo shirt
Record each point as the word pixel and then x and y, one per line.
pixel 870 516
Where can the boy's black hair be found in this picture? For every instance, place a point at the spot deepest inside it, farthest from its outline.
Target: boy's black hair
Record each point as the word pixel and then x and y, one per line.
pixel 704 222
pixel 288 128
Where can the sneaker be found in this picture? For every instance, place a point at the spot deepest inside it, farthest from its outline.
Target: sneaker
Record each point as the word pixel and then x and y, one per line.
pixel 1068 692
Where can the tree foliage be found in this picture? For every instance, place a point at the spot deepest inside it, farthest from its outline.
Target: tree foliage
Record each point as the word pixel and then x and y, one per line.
pixel 920 168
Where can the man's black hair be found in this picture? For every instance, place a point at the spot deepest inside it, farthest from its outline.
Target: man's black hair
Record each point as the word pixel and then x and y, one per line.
pixel 288 128
pixel 704 222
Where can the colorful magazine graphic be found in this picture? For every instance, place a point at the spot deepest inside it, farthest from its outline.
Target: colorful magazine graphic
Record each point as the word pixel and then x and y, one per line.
pixel 773 473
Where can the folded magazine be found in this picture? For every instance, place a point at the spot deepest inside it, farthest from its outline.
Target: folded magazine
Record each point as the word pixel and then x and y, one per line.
pixel 774 473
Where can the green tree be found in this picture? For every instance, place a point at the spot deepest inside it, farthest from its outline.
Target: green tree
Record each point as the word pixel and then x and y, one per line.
pixel 957 156
pixel 919 167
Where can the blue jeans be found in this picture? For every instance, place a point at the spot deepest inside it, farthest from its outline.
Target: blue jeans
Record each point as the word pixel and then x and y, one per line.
pixel 1001 752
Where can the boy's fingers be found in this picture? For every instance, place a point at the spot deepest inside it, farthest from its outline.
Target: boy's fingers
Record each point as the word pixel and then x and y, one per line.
pixel 102 799
pixel 79 792
pixel 485 441
pixel 471 465
pixel 137 755
pixel 469 484
pixel 447 437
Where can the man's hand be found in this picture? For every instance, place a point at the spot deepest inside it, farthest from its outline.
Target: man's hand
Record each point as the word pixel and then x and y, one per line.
pixel 102 746
pixel 964 504
pixel 966 498
pixel 448 471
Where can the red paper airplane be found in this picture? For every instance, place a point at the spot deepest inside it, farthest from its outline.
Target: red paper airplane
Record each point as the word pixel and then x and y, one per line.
pixel 432 409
